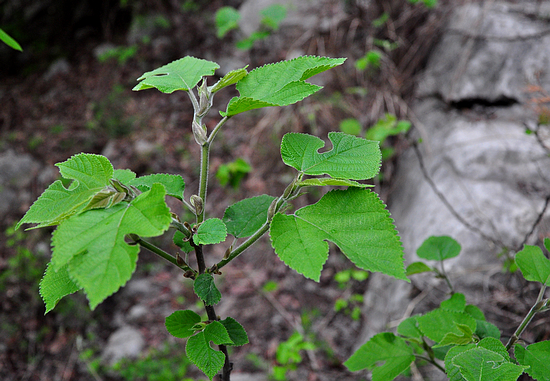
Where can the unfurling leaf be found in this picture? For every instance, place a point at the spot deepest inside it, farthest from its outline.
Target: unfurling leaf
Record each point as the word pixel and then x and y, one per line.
pixel 92 243
pixel 90 174
pixel 354 219
pixel 174 184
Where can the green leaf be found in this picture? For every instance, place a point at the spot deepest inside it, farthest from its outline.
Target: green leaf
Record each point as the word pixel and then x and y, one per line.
pixel 351 126
pixel 475 312
pixel 534 266
pixel 211 231
pixel 227 18
pixel 216 332
pixel 354 219
pixel 386 127
pixel 453 371
pixel 178 240
pixel 438 248
pixel 206 289
pixel 409 328
pixel 207 359
pixel 124 175
pixel 383 347
pixel 229 79
pixel 417 268
pixel 91 173
pixel 236 331
pixel 456 303
pixel 438 323
pixel 350 157
pixel 182 74
pixel 55 285
pixel 329 181
pixel 537 357
pixel 273 15
pixel 466 337
pixel 245 217
pixel 93 245
pixel 482 364
pixel 180 323
pixel 174 184
pixel 8 40
pixel 279 84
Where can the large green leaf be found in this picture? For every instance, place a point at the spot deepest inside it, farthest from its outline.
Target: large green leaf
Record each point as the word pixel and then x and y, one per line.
pixel 456 303
pixel 438 323
pixel 481 364
pixel 438 248
pixel 384 347
pixel 534 265
pixel 354 219
pixel 55 285
pixel 180 323
pixel 182 74
pixel 537 357
pixel 279 84
pixel 174 184
pixel 90 174
pixel 92 243
pixel 245 217
pixel 350 157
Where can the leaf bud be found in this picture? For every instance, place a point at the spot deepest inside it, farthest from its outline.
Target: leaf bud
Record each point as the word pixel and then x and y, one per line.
pixel 197 203
pixel 204 99
pixel 179 260
pixel 272 209
pixel 199 133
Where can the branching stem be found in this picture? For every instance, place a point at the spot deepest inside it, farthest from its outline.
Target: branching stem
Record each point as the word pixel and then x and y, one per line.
pixel 157 250
pixel 538 306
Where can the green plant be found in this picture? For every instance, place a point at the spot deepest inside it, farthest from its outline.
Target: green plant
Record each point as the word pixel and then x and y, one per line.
pixel 119 53
pixel 8 40
pixel 288 355
pixel 104 215
pixel 232 173
pixel 165 364
pixel 227 19
pixel 456 337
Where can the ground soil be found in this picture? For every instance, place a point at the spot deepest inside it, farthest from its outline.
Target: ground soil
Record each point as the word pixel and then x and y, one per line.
pixel 90 108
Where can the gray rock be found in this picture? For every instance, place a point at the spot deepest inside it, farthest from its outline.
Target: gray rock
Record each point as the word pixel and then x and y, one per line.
pixel 59 66
pixel 16 174
pixel 476 152
pixel 125 342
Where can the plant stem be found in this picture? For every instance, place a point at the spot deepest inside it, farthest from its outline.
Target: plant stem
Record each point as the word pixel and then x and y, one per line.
pixel 431 362
pixel 216 129
pixel 157 250
pixel 539 304
pixel 205 154
pixel 245 245
pixel 211 312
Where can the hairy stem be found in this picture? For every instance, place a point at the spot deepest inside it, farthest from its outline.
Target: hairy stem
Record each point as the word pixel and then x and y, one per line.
pixel 205 155
pixel 539 304
pixel 157 250
pixel 431 362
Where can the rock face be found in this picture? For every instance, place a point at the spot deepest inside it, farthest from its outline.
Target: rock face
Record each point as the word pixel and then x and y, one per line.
pixel 472 115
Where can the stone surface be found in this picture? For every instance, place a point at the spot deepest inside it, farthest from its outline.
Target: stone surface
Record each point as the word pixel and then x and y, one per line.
pixel 125 342
pixel 472 116
pixel 16 174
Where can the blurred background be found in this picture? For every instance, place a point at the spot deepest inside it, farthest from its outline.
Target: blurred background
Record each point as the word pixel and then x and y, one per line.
pixel 69 91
